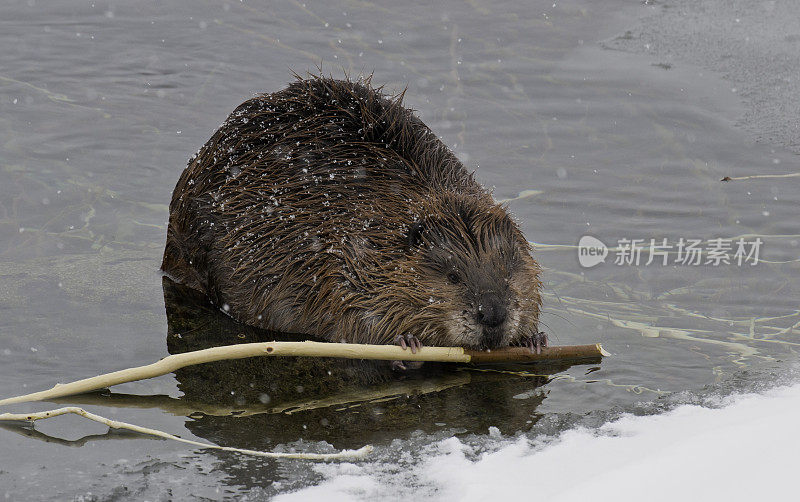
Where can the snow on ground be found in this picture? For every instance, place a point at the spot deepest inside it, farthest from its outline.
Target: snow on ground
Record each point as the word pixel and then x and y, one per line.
pixel 745 450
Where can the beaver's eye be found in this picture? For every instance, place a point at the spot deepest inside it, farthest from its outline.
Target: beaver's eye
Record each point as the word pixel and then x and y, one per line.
pixel 453 278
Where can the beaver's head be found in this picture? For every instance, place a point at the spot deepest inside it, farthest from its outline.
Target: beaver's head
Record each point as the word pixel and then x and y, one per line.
pixel 476 284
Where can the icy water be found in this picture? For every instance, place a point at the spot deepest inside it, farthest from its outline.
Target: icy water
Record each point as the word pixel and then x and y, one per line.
pixel 612 119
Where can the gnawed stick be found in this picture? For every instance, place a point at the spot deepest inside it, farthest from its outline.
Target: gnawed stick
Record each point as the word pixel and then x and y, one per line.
pixel 312 349
pixel 114 424
pixel 524 355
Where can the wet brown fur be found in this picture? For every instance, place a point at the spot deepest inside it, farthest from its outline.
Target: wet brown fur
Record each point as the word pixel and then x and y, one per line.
pixel 330 209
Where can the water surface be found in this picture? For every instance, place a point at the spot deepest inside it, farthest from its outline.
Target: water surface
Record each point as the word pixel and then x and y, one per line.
pixel 564 109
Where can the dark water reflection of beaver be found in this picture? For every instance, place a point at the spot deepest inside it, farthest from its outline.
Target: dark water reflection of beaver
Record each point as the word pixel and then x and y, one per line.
pixel 344 402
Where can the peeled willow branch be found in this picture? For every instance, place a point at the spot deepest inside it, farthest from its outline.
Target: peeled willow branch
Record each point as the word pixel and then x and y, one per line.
pixel 314 349
pixel 114 424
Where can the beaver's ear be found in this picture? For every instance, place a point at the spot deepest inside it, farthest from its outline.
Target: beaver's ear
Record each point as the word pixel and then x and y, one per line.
pixel 415 232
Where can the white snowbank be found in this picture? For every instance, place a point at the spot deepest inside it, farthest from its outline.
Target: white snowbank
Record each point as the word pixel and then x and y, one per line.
pixel 746 450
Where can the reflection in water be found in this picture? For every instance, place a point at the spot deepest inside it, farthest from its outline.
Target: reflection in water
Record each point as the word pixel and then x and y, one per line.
pixel 260 402
pixel 29 432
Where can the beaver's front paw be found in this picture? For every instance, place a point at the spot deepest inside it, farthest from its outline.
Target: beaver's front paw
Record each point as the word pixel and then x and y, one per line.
pixel 536 342
pixel 407 341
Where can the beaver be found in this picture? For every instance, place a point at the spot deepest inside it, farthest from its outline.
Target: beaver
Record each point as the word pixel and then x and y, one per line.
pixel 330 209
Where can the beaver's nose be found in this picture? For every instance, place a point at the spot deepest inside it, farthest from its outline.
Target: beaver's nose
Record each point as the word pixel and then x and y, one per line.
pixel 491 311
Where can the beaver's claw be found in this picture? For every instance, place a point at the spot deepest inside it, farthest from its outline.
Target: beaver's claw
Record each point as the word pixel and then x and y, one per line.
pixel 407 341
pixel 536 342
pixel 398 366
